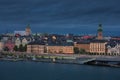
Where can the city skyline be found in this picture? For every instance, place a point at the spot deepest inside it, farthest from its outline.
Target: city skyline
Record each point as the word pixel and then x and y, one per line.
pixel 60 16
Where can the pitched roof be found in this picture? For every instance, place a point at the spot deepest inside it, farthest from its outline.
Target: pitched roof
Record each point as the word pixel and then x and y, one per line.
pixel 36 43
pixel 99 41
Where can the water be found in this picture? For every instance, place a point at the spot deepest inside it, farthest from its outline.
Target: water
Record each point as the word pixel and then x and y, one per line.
pixel 51 71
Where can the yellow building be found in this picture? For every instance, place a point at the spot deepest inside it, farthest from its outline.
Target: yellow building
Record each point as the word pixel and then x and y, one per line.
pixel 35 47
pixel 1 46
pixel 98 46
pixel 83 45
pixel 60 49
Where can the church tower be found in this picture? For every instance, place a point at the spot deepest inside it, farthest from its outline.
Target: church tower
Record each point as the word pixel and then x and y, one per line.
pixel 100 32
pixel 28 30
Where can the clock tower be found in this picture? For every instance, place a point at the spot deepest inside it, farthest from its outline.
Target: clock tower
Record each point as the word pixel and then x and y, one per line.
pixel 100 32
pixel 28 30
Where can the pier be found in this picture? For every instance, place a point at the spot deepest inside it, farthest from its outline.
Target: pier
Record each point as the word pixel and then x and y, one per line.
pixel 65 59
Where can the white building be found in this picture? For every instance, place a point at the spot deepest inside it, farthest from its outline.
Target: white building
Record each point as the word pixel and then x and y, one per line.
pixel 114 50
pixel 24 42
pixel 17 42
pixel 22 33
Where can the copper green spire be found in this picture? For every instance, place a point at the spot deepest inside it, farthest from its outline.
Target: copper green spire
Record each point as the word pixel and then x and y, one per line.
pixel 100 28
pixel 28 26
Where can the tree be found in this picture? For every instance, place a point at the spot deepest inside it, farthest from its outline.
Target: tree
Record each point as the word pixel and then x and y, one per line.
pixel 15 48
pixel 76 50
pixel 82 51
pixel 6 49
pixel 24 48
pixel 21 48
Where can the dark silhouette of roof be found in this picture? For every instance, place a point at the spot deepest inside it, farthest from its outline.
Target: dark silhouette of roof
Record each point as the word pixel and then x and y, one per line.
pixel 99 41
pixel 36 43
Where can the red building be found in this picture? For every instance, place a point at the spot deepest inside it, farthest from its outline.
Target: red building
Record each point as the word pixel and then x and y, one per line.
pixel 10 45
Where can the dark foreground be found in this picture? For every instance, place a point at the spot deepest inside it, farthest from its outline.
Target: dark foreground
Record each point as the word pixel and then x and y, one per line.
pixel 51 71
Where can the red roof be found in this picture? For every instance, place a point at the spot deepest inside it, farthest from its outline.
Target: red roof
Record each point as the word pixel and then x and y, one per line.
pixel 87 37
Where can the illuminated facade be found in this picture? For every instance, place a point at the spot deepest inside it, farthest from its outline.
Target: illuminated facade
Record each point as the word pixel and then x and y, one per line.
pixel 60 49
pixel 83 45
pixel 1 46
pixel 98 46
pixel 35 47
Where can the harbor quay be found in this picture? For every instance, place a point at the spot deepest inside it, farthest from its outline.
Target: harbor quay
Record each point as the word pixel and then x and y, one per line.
pixel 80 59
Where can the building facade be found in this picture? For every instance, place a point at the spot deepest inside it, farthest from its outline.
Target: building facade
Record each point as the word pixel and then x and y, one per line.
pixel 83 45
pixel 1 46
pixel 20 33
pixel 38 49
pixel 60 49
pixel 98 46
pixel 35 47
pixel 17 42
pixel 10 45
pixel 113 50
pixel 24 41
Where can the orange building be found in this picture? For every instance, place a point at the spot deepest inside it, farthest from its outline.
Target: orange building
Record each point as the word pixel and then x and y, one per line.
pixel 35 47
pixel 60 49
pixel 1 46
pixel 83 45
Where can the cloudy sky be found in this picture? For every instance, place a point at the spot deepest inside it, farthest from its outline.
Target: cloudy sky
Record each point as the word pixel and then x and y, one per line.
pixel 60 16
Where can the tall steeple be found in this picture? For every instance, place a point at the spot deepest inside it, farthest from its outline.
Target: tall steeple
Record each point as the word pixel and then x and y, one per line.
pixel 28 30
pixel 100 32
pixel 28 26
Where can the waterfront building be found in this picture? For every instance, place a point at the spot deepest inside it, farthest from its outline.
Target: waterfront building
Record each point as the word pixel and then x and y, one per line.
pixel 83 45
pixel 28 30
pixel 60 49
pixel 18 42
pixel 114 50
pixel 1 46
pixel 10 45
pixel 65 48
pixel 98 46
pixel 113 47
pixel 35 47
pixel 100 32
pixel 24 41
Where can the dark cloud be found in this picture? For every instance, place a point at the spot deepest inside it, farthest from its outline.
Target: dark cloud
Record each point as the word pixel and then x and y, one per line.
pixel 59 15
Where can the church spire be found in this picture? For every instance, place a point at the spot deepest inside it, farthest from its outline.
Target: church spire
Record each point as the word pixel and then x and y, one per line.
pixel 28 26
pixel 100 28
pixel 28 30
pixel 100 32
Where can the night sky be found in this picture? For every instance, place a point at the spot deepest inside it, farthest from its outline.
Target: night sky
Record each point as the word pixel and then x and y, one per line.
pixel 60 16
